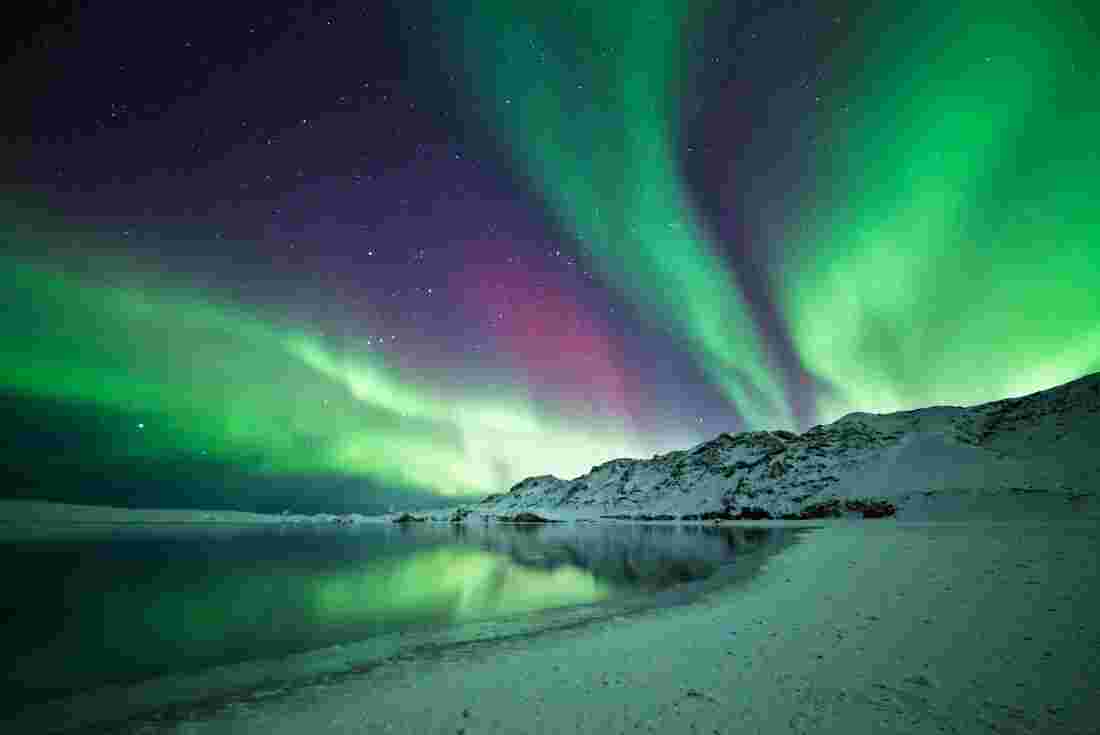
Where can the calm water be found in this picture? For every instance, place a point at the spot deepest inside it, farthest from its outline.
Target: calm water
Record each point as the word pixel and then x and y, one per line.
pixel 124 605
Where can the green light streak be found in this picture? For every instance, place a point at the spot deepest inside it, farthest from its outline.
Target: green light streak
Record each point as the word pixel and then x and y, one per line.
pixel 204 380
pixel 585 94
pixel 950 252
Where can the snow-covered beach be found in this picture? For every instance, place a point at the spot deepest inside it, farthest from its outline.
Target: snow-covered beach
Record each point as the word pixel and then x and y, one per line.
pixel 861 627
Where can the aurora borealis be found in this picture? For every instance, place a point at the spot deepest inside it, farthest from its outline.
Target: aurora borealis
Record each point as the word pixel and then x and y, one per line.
pixel 955 189
pixel 597 132
pixel 335 257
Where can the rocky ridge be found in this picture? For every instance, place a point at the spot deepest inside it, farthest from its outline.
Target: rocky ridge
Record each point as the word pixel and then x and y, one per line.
pixel 864 464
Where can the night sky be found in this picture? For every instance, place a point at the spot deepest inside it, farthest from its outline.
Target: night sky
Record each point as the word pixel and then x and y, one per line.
pixel 338 256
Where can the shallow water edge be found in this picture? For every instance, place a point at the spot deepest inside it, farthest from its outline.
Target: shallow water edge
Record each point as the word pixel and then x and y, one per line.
pixel 187 696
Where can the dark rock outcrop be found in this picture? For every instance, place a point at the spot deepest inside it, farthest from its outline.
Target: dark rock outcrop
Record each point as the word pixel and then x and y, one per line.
pixel 752 514
pixel 526 517
pixel 874 508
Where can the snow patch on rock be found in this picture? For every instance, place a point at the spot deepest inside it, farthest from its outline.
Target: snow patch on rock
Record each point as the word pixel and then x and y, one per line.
pixel 1044 443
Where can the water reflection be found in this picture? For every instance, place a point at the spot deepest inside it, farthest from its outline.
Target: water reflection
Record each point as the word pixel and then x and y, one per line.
pixel 452 584
pixel 627 556
pixel 139 603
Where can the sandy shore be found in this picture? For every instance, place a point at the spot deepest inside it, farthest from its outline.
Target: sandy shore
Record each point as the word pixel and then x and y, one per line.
pixel 877 627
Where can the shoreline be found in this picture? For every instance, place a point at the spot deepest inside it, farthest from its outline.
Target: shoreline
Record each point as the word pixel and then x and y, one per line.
pixel 49 512
pixel 843 632
pixel 871 627
pixel 182 697
pixel 962 507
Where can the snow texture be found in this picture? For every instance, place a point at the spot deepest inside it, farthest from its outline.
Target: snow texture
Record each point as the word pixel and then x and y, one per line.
pixel 1044 444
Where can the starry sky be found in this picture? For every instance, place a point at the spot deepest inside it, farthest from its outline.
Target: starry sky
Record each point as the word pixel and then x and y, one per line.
pixel 337 256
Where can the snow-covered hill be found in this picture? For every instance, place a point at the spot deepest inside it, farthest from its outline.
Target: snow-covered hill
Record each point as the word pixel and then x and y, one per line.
pixel 1041 448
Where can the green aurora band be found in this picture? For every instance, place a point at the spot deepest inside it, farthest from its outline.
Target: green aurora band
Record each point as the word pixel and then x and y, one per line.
pixel 210 383
pixel 586 93
pixel 949 251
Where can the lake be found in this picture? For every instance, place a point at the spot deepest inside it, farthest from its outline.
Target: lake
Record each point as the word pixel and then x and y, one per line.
pixel 102 606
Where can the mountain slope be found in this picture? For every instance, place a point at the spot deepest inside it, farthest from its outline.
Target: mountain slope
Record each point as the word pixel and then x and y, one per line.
pixel 1044 444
